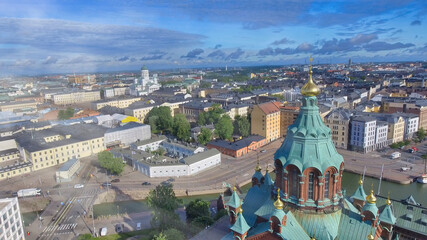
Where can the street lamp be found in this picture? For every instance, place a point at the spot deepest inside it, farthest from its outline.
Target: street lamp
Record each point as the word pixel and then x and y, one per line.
pixel 117 210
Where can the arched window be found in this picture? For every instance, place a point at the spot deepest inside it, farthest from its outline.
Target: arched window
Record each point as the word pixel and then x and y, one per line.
pixel 327 177
pixel 310 185
pixel 294 188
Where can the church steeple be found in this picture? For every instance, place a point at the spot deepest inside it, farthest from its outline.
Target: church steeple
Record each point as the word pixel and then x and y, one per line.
pixel 308 167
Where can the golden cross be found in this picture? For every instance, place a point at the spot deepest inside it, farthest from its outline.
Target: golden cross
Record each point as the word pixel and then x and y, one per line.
pixel 311 59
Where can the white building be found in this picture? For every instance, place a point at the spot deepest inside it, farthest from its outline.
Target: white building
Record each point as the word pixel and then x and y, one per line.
pixel 66 172
pixel 152 144
pixel 161 166
pixel 180 149
pixel 145 85
pixel 362 133
pixel 411 125
pixel 127 134
pixel 381 134
pixel 11 227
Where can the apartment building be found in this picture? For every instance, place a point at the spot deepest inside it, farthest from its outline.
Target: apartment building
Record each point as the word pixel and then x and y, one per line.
pixel 140 110
pixel 265 120
pixel 76 97
pixel 118 103
pixel 396 128
pixel 58 144
pixel 381 130
pixel 18 106
pixel 338 120
pixel 11 227
pixel 288 115
pixel 406 105
pixel 192 109
pixel 234 110
pixel 82 79
pixel 114 92
pixel 362 133
pixel 411 125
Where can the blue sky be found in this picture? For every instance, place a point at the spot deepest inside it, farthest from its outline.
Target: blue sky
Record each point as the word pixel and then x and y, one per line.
pixel 89 36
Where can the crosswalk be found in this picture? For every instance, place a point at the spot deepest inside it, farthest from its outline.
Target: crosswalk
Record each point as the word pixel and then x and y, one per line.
pixel 67 226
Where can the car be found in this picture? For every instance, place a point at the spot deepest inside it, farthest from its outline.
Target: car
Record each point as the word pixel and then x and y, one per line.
pixel 415 149
pixel 138 226
pixel 146 183
pixel 119 228
pixel 263 151
pixel 115 180
pixel 106 184
pixel 165 183
pixel 79 185
pixel 411 150
pixel 171 180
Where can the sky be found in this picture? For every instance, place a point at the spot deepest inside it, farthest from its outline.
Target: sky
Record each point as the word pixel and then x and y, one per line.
pixel 67 36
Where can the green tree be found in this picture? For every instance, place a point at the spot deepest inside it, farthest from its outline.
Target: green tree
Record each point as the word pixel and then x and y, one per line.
pixel 243 126
pixel 112 164
pixel 69 112
pixel 160 236
pixel 61 115
pixel 161 118
pixel 201 120
pixel 85 237
pixel 197 208
pixel 211 116
pixel 221 213
pixel 174 234
pixel 164 203
pixel 205 136
pixel 224 128
pixel 421 134
pixel 181 127
pixel 203 222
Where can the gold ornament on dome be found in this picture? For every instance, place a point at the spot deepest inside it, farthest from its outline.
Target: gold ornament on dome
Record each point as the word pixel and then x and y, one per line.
pixel 310 89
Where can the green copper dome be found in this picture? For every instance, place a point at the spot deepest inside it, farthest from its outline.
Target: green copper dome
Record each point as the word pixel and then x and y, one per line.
pixel 308 142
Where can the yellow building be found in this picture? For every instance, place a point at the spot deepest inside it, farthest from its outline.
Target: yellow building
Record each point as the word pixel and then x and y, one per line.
pixel 140 110
pixel 76 97
pixel 396 129
pixel 265 120
pixel 338 121
pixel 118 103
pixel 288 115
pixel 56 145
pixel 20 105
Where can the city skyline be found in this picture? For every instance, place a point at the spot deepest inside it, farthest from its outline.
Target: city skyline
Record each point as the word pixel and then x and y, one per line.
pixel 53 37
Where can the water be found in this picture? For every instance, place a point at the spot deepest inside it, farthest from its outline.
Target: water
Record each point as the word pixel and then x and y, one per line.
pixel 397 191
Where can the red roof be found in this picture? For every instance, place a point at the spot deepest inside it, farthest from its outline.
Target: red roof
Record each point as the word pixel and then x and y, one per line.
pixel 270 107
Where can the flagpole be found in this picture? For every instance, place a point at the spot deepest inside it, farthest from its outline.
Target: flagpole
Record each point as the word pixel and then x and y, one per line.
pixel 381 177
pixel 364 171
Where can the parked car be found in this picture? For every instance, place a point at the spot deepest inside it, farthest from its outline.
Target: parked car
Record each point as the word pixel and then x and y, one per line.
pixel 411 150
pixel 79 185
pixel 115 180
pixel 171 180
pixel 106 184
pixel 146 183
pixel 415 149
pixel 395 155
pixel 263 151
pixel 138 226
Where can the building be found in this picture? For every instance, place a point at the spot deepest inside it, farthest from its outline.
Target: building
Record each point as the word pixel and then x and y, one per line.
pixel 406 105
pixel 179 149
pixel 288 115
pixel 162 166
pixel 148 145
pixel 144 85
pixel 338 120
pixel 305 201
pixel 82 79
pixel 58 144
pixel 115 92
pixel 193 109
pixel 140 110
pixel 411 125
pixel 234 110
pixel 18 106
pixel 196 131
pixel 76 97
pixel 127 134
pixel 119 103
pixel 362 133
pixel 67 171
pixel 238 148
pixel 381 135
pixel 265 120
pixel 11 226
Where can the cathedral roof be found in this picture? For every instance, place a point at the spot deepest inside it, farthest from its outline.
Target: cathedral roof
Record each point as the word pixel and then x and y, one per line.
pixel 234 201
pixel 240 226
pixel 387 215
pixel 308 142
pixel 359 194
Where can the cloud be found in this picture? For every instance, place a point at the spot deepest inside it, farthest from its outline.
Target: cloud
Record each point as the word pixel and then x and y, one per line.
pixel 304 47
pixel 123 59
pixel 50 60
pixel 193 53
pixel 218 46
pixel 60 36
pixel 217 54
pixel 152 57
pixel 381 46
pixel 235 55
pixel 345 45
pixel 416 23
pixel 282 41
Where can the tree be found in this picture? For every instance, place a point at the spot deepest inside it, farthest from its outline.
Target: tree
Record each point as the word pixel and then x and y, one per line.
pixel 242 125
pixel 197 208
pixel 164 203
pixel 201 120
pixel 421 134
pixel 211 116
pixel 61 115
pixel 224 128
pixel 161 118
pixel 181 127
pixel 205 136
pixel 112 164
pixel 69 112
pixel 174 234
pixel 160 236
